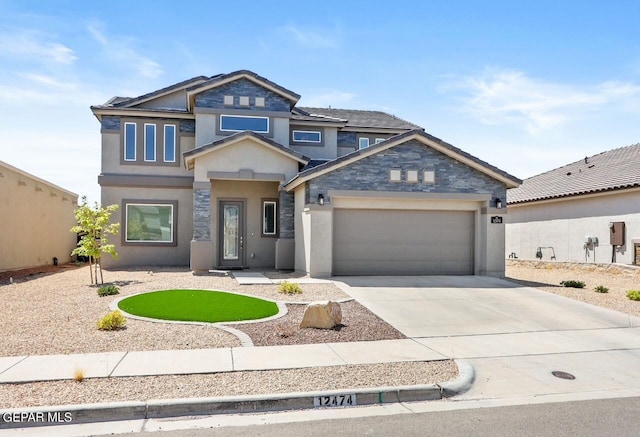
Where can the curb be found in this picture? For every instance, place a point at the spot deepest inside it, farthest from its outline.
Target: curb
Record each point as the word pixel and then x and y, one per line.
pixel 163 408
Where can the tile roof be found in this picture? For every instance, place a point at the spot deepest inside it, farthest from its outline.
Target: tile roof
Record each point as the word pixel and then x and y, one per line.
pixel 119 102
pixel 358 118
pixel 606 171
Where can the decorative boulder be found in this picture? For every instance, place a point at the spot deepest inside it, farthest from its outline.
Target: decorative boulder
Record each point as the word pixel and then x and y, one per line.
pixel 323 315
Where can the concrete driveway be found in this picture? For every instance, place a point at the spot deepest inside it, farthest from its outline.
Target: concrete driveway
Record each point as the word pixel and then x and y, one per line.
pixel 514 336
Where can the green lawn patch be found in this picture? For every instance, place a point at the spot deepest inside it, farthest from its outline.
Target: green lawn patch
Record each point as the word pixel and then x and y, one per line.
pixel 198 306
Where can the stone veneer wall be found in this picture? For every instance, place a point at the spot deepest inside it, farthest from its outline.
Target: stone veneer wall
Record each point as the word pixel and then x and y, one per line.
pixel 214 98
pixel 201 214
pixel 372 174
pixel 286 215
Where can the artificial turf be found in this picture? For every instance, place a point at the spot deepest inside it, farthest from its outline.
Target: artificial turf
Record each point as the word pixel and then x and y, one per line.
pixel 198 306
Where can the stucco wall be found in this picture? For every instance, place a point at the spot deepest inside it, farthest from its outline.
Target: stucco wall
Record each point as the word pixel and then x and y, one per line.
pixel 145 254
pixel 36 220
pixel 245 154
pixel 564 225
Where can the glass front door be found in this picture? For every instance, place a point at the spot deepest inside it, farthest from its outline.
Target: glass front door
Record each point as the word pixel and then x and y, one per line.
pixel 231 235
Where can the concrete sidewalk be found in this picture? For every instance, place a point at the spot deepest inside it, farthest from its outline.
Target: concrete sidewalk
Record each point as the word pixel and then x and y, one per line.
pixel 176 362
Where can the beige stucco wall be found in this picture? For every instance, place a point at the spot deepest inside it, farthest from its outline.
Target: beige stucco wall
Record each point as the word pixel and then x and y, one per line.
pixel 244 155
pixel 564 224
pixel 112 152
pixel 141 254
pixel 176 100
pixel 259 251
pixel 36 219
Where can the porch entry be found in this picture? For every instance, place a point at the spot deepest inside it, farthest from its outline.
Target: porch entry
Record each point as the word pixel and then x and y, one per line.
pixel 231 238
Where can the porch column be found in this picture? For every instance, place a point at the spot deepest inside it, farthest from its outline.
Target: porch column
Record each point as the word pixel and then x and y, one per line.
pixel 201 246
pixel 285 244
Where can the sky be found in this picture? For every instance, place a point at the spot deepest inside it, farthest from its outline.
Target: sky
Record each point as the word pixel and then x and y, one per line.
pixel 525 86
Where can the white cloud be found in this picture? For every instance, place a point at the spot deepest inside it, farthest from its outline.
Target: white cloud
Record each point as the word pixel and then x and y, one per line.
pixel 327 97
pixel 505 96
pixel 312 39
pixel 119 50
pixel 30 44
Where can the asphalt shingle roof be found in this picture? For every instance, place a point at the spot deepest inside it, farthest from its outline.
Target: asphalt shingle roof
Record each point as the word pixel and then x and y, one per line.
pixel 359 118
pixel 606 171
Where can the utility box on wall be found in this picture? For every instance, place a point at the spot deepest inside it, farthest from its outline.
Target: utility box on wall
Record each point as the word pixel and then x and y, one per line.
pixel 616 233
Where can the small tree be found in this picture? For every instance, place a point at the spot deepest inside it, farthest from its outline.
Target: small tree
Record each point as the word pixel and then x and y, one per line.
pixel 94 227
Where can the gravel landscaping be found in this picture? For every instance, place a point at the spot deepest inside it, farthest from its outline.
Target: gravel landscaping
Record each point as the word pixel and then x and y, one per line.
pixel 548 275
pixel 225 384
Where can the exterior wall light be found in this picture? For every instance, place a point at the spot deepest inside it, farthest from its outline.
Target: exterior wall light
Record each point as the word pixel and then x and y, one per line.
pixel 498 203
pixel 321 199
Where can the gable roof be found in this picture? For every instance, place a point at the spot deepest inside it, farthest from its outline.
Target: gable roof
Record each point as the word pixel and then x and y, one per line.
pixel 417 134
pixel 127 102
pixel 221 79
pixel 190 155
pixel 611 170
pixel 355 118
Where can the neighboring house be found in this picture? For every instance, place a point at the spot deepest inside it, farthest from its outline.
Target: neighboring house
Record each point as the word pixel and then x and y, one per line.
pixel 227 172
pixel 36 218
pixel 587 211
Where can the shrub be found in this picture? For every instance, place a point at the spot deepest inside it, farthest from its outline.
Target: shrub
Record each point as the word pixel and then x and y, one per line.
pixel 573 284
pixel 287 287
pixel 108 290
pixel 78 375
pixel 112 321
pixel 601 289
pixel 633 294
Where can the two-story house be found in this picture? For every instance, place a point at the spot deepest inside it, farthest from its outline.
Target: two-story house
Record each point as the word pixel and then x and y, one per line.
pixel 227 172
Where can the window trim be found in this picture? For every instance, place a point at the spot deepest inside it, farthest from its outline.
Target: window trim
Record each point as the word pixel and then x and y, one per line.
pixel 379 140
pixel 275 233
pixel 164 140
pixel 135 141
pixel 293 136
pixel 174 222
pixel 360 140
pixel 155 142
pixel 244 130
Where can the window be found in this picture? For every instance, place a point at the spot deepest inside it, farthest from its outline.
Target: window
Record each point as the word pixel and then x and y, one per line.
pixel 412 176
pixel 149 142
pixel 395 175
pixel 260 102
pixel 363 143
pixel 149 223
pixel 379 140
pixel 228 100
pixel 244 101
pixel 429 177
pixel 306 136
pixel 269 217
pixel 169 143
pixel 129 141
pixel 237 123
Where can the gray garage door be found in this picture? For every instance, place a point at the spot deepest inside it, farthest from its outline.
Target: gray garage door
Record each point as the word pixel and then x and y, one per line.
pixel 388 242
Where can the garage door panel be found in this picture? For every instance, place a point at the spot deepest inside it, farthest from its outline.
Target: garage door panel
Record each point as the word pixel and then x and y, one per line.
pixel 384 242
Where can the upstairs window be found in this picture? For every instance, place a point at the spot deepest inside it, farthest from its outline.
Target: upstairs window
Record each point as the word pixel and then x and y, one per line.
pixel 149 142
pixel 129 141
pixel 169 143
pixel 306 136
pixel 363 143
pixel 239 123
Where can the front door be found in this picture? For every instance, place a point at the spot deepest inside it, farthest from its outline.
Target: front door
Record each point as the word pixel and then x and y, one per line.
pixel 231 234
